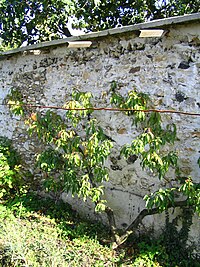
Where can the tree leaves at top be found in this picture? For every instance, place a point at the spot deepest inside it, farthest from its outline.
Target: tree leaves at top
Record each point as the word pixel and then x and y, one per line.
pixel 31 21
pixel 112 13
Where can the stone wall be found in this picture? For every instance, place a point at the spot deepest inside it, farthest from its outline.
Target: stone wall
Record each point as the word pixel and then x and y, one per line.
pixel 167 68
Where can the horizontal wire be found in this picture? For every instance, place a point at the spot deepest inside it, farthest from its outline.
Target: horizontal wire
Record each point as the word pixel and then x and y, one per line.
pixel 108 109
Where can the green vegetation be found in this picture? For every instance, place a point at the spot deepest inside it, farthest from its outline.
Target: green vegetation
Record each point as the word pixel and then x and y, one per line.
pixel 77 148
pixel 101 14
pixel 34 21
pixel 36 231
pixel 11 172
pixel 39 232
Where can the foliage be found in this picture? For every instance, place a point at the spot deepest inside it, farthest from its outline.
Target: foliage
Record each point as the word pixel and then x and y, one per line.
pixel 149 143
pixel 99 15
pixel 150 147
pixel 33 21
pixel 175 239
pixel 6 46
pixel 150 255
pixel 15 102
pixel 11 172
pixel 192 192
pixel 168 250
pixel 77 149
pixel 164 198
pixel 74 161
pixel 39 232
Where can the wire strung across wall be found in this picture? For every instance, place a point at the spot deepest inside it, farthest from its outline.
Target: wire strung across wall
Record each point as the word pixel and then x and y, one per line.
pixel 108 109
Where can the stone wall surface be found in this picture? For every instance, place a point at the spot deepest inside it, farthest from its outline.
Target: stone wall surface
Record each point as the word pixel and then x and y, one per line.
pixel 167 68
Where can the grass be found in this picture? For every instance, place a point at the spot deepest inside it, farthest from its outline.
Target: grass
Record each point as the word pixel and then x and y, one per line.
pixel 36 232
pixel 39 233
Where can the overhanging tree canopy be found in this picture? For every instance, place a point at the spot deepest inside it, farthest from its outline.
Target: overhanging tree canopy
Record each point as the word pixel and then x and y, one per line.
pixel 103 14
pixel 31 21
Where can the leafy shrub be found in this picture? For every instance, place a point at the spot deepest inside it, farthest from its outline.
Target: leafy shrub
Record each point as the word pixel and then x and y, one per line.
pixel 175 240
pixel 11 174
pixel 151 255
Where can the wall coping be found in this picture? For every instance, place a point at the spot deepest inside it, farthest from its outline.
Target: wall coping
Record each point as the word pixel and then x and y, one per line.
pixel 94 35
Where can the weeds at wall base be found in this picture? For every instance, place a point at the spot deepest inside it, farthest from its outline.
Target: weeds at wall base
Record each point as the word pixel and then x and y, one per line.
pixel 38 232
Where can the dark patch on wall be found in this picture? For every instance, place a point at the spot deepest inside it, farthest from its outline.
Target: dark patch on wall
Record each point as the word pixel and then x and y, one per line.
pixel 46 62
pixel 198 104
pixel 139 46
pixel 113 160
pixel 35 66
pixel 116 167
pixel 184 65
pixel 124 225
pixel 134 69
pixel 171 66
pixel 180 97
pixel 132 159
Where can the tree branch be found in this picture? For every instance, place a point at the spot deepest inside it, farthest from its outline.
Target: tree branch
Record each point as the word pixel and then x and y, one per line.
pixel 145 212
pixel 108 109
pixel 133 226
pixel 111 219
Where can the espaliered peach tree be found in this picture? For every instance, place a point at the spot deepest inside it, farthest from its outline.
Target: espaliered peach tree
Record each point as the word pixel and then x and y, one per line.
pixel 77 148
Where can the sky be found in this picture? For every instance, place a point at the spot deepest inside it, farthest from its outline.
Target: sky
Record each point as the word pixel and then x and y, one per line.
pixel 74 32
